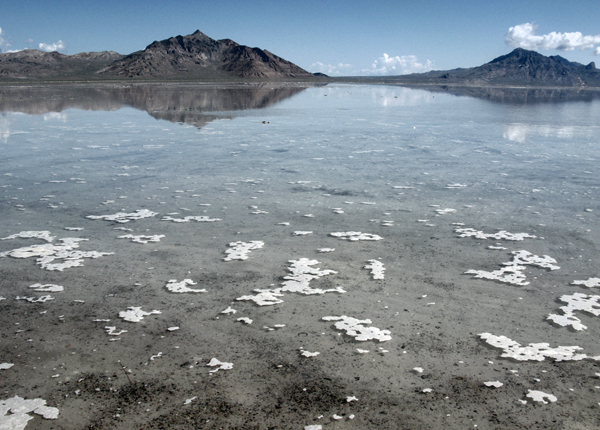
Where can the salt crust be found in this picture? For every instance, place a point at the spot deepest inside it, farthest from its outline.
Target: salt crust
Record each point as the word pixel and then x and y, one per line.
pixel 590 283
pixel 44 235
pixel 576 302
pixel 355 235
pixel 19 409
pixel 323 250
pixel 245 320
pixel 377 269
pixel 48 252
pixel 47 288
pixel 298 282
pixel 222 366
pixel 4 366
pixel 112 331
pixel 470 232
pixel 445 211
pixel 309 354
pixel 355 328
pixel 240 250
pixel 122 217
pixel 41 299
pixel 513 272
pixel 143 238
pixel 314 427
pixel 136 314
pixel 534 351
pixel 493 384
pixel 201 218
pixel 229 310
pixel 302 233
pixel 180 287
pixel 540 396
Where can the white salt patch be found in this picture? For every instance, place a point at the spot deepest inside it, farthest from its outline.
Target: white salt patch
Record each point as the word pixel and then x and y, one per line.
pixel 47 288
pixel 188 401
pixel 309 354
pixel 240 250
pixel 180 287
pixel 510 275
pixel 351 399
pixel 73 228
pixel 323 250
pixel 445 211
pixel 427 390
pixel 136 314
pixel 47 253
pixel 362 351
pixel 309 215
pixel 418 369
pixel 496 247
pixel 112 331
pixel 201 218
pixel 264 297
pixel 337 211
pixel 526 257
pixel 174 328
pixel 457 185
pixel 245 320
pixel 355 328
pixel 229 310
pixel 493 384
pixel 302 233
pixel 540 396
pixel 41 299
pixel 44 235
pixel 336 417
pixel 4 366
pixel 313 427
pixel 534 351
pixel 355 236
pixel 469 232
pixel 590 283
pixel 143 238
pixel 377 269
pixel 221 365
pixel 301 275
pixel 283 223
pixel 19 408
pixel 576 302
pixel 156 356
pixel 122 217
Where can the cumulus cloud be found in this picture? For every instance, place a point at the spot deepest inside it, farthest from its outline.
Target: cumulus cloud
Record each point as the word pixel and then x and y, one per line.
pixel 523 36
pixel 58 46
pixel 4 44
pixel 329 69
pixel 398 65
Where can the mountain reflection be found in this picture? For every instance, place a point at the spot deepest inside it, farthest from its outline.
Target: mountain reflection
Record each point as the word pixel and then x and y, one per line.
pixel 190 104
pixel 516 95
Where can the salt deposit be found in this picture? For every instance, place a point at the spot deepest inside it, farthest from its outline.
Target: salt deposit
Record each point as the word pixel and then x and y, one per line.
pixel 136 314
pixel 19 409
pixel 540 396
pixel 122 217
pixel 181 287
pixel 48 252
pixel 324 250
pixel 240 250
pixel 40 299
pixel 264 297
pixel 501 235
pixel 355 235
pixel 112 331
pixel 590 283
pixel 511 275
pixel 302 233
pixel 200 218
pixel 534 351
pixel 377 269
pixel 576 302
pixel 221 365
pixel 43 235
pixel 308 353
pixel 313 427
pixel 356 329
pixel 245 320
pixel 493 384
pixel 445 211
pixel 4 366
pixel 526 257
pixel 229 310
pixel 47 288
pixel 143 238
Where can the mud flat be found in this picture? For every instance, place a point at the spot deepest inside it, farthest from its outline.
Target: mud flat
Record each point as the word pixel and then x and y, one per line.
pixel 439 246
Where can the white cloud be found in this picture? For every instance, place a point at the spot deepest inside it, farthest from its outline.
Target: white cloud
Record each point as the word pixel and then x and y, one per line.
pixel 403 65
pixel 4 44
pixel 329 69
pixel 58 46
pixel 523 36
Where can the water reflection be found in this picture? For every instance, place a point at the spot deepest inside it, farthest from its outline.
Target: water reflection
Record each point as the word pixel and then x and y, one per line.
pixel 187 104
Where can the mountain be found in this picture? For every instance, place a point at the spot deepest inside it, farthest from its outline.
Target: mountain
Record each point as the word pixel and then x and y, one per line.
pixel 199 56
pixel 192 57
pixel 519 67
pixel 35 64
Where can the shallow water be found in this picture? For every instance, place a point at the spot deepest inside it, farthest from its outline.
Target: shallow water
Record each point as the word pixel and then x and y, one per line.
pixel 381 160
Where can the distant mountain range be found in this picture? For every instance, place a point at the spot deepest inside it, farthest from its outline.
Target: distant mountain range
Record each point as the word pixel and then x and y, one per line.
pixel 197 57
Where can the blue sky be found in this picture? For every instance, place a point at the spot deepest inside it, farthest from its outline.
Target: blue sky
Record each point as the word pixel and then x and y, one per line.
pixel 336 37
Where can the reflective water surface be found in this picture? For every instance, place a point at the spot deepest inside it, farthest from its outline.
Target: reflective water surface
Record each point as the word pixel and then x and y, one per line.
pixel 430 177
